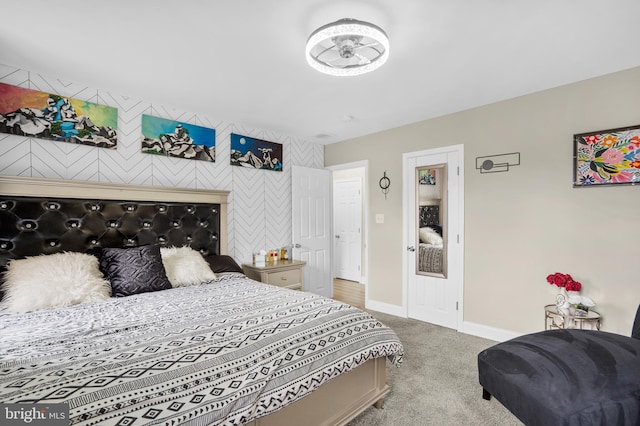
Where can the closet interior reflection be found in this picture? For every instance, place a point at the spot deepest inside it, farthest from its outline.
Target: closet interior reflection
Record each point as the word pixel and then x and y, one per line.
pixel 431 199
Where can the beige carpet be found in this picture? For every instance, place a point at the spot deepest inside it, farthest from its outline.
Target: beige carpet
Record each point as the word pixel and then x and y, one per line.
pixel 438 381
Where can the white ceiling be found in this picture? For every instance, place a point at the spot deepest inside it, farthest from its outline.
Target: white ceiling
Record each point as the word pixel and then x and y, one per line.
pixel 242 61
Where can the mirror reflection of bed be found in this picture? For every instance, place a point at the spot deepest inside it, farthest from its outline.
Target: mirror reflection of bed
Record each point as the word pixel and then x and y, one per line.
pixel 431 242
pixel 431 202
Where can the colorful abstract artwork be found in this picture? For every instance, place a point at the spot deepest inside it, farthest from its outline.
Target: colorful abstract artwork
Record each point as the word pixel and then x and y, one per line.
pixel 27 112
pixel 427 176
pixel 177 139
pixel 255 153
pixel 607 157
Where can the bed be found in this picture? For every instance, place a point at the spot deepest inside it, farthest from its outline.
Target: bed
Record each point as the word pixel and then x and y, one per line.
pixel 430 258
pixel 226 350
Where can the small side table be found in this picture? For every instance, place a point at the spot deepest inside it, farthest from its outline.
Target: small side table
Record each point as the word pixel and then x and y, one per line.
pixel 555 319
pixel 284 273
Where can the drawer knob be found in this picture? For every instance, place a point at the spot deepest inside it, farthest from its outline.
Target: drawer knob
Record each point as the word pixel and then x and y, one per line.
pixel 283 278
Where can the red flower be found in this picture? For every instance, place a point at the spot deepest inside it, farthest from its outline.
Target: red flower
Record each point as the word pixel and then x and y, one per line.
pixel 564 280
pixel 591 139
pixel 573 286
pixel 560 280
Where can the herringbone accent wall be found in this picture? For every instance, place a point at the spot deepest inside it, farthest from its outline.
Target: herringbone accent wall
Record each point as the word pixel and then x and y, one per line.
pixel 259 202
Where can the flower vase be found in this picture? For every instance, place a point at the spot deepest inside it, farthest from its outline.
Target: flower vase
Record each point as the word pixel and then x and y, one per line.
pixel 562 302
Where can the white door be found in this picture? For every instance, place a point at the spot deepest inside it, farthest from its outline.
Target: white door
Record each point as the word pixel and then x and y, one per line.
pixel 311 205
pixel 435 299
pixel 347 228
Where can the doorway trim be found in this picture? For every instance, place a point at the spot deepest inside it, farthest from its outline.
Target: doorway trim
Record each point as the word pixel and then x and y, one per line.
pixel 459 239
pixel 365 212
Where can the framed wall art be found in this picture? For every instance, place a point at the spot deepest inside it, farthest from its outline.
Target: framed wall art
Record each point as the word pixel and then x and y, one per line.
pixel 427 176
pixel 177 139
pixel 42 115
pixel 607 157
pixel 255 153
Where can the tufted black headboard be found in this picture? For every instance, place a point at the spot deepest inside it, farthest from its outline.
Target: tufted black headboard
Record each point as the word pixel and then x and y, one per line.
pixel 30 226
pixel 429 215
pixel 33 225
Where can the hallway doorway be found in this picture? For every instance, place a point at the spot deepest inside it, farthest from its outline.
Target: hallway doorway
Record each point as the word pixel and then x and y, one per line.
pixel 347 227
pixel 354 282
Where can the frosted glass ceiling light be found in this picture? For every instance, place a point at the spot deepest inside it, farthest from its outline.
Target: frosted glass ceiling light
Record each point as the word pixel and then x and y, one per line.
pixel 347 47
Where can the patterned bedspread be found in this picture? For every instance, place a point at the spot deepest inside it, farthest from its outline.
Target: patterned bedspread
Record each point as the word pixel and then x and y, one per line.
pixel 224 352
pixel 430 258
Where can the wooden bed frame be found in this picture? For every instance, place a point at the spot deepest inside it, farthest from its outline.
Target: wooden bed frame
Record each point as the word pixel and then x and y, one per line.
pixel 335 403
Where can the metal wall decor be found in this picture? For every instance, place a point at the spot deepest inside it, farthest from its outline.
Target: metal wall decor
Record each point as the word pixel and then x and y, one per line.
pixel 384 183
pixel 497 163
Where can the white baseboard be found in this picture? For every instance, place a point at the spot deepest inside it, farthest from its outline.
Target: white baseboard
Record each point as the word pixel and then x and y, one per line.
pixel 479 330
pixel 486 332
pixel 385 308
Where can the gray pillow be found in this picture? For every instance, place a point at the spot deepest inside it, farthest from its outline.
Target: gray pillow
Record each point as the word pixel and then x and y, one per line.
pixel 133 270
pixel 222 263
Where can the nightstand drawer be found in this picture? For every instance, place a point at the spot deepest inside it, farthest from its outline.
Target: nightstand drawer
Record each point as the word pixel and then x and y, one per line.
pixel 285 278
pixel 285 273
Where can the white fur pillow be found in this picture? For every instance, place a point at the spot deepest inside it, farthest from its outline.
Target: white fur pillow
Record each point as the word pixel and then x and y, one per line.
pixel 185 266
pixel 52 281
pixel 429 236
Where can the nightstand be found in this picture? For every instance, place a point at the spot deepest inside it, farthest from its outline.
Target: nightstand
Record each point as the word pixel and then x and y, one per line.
pixel 555 319
pixel 284 273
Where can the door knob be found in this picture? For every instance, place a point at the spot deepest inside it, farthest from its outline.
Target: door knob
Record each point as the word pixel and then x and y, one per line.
pixel 411 248
pixel 337 236
pixel 297 246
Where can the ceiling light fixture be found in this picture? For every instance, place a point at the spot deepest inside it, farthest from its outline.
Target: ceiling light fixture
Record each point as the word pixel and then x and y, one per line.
pixel 347 47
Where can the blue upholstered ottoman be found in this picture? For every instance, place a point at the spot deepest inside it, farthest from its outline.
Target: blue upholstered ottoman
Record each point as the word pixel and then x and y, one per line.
pixel 566 377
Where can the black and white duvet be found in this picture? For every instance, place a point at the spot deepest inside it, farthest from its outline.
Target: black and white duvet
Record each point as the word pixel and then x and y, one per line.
pixel 223 352
pixel 430 258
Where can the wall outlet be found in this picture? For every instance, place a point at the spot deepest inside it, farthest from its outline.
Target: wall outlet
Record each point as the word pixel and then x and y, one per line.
pixel 379 218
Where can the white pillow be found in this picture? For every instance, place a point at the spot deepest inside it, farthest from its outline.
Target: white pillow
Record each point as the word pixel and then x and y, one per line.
pixel 185 266
pixel 52 281
pixel 429 236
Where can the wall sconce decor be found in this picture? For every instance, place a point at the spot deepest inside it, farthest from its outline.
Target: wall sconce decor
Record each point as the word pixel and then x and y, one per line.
pixel 497 163
pixel 385 183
